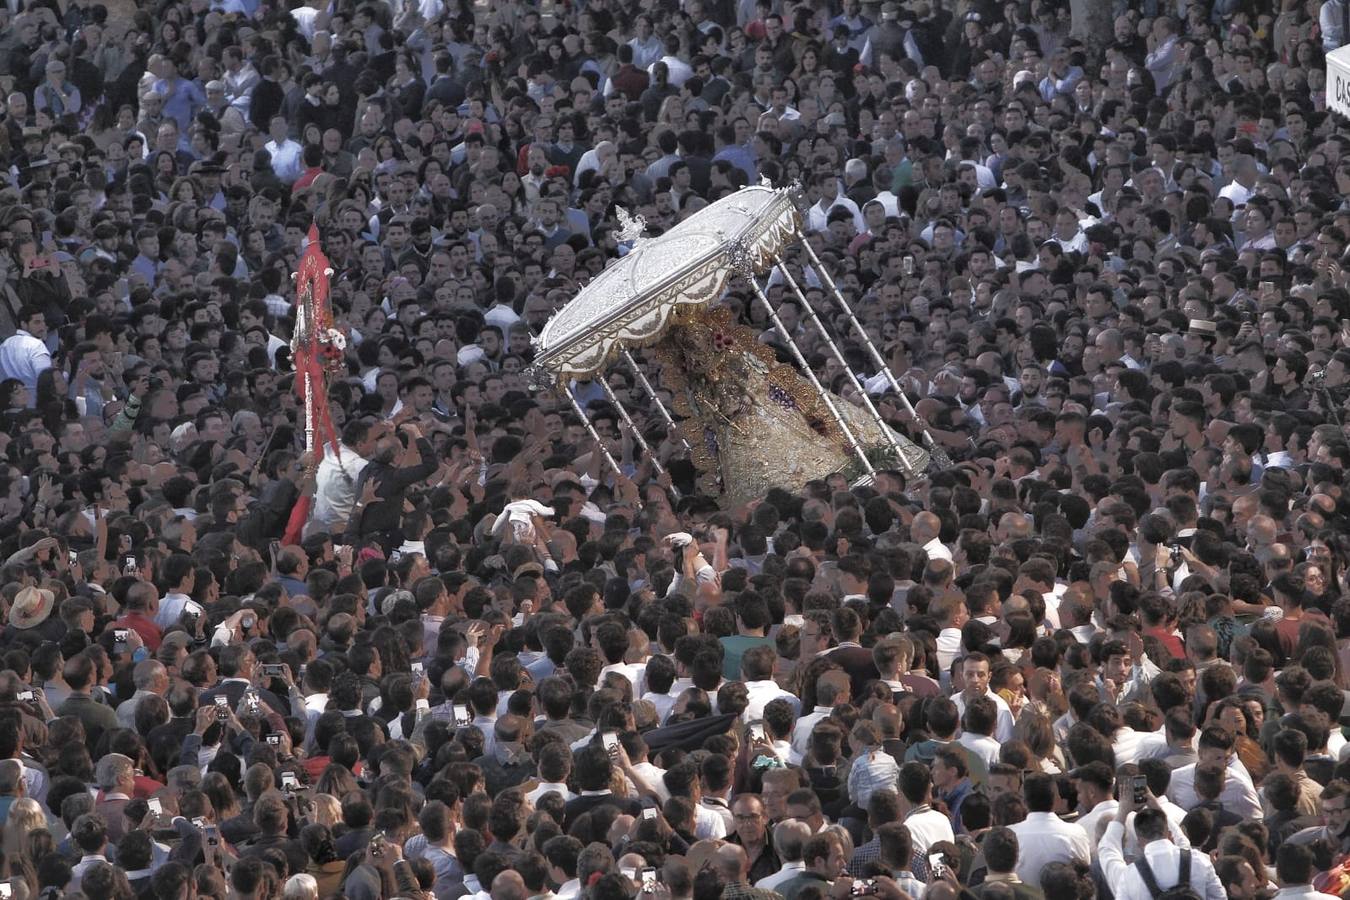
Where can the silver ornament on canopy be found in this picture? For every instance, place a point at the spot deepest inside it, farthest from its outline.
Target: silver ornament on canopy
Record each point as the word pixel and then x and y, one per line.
pixel 630 303
pixel 750 421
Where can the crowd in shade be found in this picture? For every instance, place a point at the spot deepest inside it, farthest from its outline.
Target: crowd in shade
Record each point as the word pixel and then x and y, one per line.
pixel 1102 247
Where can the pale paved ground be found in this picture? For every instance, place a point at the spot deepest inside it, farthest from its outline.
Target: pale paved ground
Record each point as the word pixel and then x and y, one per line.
pixel 120 9
pixel 123 9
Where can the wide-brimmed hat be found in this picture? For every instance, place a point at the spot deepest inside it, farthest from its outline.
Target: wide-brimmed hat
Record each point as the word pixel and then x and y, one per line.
pixel 31 607
pixel 528 568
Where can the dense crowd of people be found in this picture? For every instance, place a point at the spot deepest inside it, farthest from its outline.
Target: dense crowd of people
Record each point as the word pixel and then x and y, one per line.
pixel 1103 247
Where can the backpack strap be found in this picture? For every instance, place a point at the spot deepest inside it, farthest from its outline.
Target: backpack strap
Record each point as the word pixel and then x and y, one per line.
pixel 1146 873
pixel 1184 872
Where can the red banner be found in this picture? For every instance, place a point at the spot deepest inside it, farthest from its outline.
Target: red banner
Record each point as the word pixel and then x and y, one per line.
pixel 316 347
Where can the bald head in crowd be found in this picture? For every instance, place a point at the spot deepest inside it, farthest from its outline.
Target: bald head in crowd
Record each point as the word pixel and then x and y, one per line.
pixel 925 527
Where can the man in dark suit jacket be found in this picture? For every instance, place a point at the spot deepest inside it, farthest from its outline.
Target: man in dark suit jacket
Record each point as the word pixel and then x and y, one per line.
pixel 594 768
pixel 237 665
pixel 851 656
pixel 272 818
pixel 268 94
pixel 116 777
pixel 445 89
pixel 182 699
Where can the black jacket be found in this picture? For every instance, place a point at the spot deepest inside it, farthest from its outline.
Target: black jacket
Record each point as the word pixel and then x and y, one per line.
pixel 296 857
pixel 352 841
pixel 265 103
pixel 579 806
pixel 446 90
pixel 687 736
pixel 383 518
pixel 498 776
pixel 48 293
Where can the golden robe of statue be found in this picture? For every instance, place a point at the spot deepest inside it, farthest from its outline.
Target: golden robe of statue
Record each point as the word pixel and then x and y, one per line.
pixel 754 423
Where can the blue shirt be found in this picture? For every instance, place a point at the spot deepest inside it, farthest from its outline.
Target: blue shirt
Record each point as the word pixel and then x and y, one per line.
pixel 182 99
pixel 247 7
pixel 740 157
pixel 144 265
pixel 954 800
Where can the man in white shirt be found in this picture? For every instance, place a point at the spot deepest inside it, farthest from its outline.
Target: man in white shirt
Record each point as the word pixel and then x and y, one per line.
pixel 285 152
pixel 789 837
pixel 151 679
pixel 977 727
pixel 1160 865
pixel 827 190
pixel 1094 782
pixel 636 749
pixel 975 677
pixel 1043 837
pixel 240 78
pixel 832 689
pixel 678 70
pixel 659 678
pixel 924 530
pixel 87 860
pixel 1243 185
pixel 23 355
pixel 610 640
pixel 1239 793
pixel 951 614
pixel 178 572
pixel 757 670
pixel 335 481
pixel 684 780
pixel 1294 869
pixel 555 764
pixel 315 682
pixel 926 825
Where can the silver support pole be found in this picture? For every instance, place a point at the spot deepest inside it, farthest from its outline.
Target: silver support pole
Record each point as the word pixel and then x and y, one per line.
pixel 590 429
pixel 628 420
pixel 815 382
pixel 941 456
pixel 651 395
pixel 838 355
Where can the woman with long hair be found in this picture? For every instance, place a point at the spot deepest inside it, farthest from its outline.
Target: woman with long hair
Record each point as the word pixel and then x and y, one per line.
pixel 1037 731
pixel 808 64
pixel 337 781
pixel 1021 635
pixel 1231 713
pixel 386 150
pixel 14 397
pixel 324 809
pixel 806 677
pixel 1328 548
pixel 185 189
pixel 53 402
pixel 671 112
pixel 164 167
pixel 325 866
pixel 224 799
pixel 25 817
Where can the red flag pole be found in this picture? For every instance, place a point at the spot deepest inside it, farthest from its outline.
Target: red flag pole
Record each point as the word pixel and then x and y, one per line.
pixel 316 346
